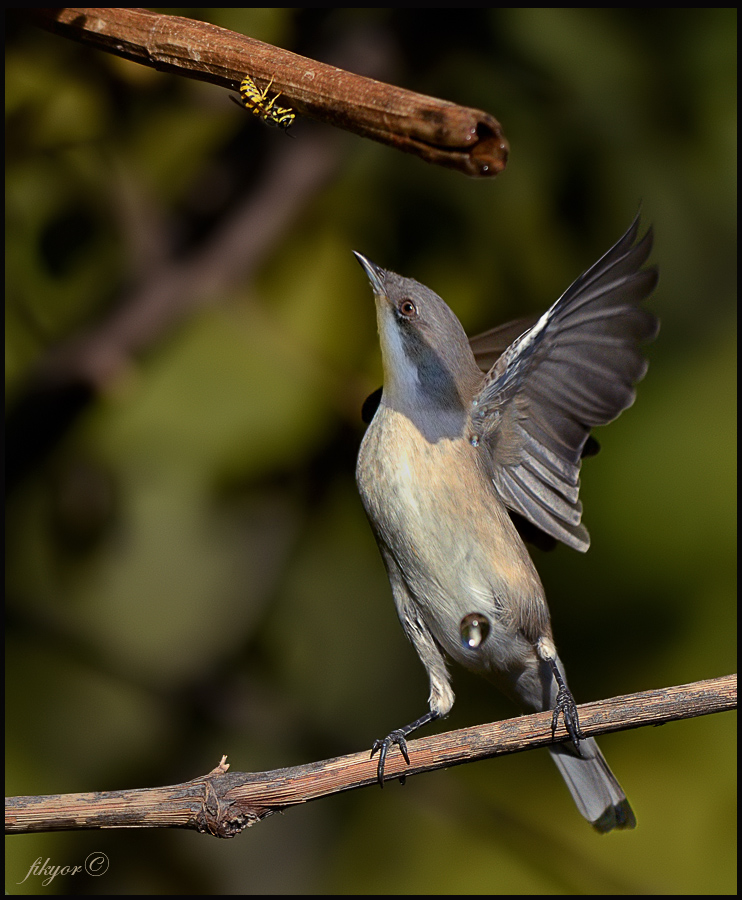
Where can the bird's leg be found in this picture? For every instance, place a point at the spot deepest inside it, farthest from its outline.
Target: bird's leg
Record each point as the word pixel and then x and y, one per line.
pixel 398 737
pixel 565 702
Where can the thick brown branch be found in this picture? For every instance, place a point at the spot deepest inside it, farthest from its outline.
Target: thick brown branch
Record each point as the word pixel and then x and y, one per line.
pixel 223 803
pixel 438 131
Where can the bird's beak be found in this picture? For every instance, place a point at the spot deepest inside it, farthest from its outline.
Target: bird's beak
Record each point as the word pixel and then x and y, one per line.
pixel 374 274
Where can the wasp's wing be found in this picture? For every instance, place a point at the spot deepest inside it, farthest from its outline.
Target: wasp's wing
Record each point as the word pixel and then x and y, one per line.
pixel 574 369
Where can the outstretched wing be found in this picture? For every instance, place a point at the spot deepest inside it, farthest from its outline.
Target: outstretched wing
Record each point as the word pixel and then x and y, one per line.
pixel 574 369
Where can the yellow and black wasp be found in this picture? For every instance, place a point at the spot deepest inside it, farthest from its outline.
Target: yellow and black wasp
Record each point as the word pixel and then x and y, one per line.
pixel 255 100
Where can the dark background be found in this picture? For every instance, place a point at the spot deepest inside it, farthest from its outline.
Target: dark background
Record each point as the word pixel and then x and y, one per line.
pixel 189 569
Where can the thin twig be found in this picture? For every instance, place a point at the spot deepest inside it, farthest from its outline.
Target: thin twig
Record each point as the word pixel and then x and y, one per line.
pixel 437 131
pixel 223 803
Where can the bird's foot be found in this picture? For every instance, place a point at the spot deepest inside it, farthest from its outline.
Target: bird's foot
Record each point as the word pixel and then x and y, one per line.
pixel 566 706
pixel 398 737
pixel 383 746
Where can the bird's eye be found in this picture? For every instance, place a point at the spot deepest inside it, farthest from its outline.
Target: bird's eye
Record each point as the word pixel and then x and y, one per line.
pixel 407 308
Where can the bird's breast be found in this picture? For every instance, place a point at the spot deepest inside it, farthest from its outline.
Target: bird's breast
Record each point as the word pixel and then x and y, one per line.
pixel 434 509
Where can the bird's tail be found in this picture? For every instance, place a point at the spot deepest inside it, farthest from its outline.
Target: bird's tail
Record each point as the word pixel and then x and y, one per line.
pixel 593 786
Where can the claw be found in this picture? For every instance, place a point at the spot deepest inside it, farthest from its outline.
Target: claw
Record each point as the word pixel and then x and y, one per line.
pixel 398 737
pixel 565 704
pixel 395 737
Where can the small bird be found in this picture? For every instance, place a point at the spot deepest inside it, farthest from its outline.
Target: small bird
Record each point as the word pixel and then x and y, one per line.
pixel 452 452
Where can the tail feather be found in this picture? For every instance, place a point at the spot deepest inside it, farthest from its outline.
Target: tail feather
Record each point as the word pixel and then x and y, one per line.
pixel 593 786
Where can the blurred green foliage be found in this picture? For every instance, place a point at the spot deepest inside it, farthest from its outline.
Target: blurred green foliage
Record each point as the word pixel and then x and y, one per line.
pixel 189 570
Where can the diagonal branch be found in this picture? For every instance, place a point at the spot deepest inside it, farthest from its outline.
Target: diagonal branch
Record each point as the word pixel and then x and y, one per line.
pixel 223 803
pixel 72 373
pixel 437 131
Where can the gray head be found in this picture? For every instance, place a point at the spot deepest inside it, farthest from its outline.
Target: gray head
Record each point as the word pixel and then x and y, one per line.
pixel 430 374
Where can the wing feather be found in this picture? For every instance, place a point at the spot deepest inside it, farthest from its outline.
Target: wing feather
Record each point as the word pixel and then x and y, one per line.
pixel 573 369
